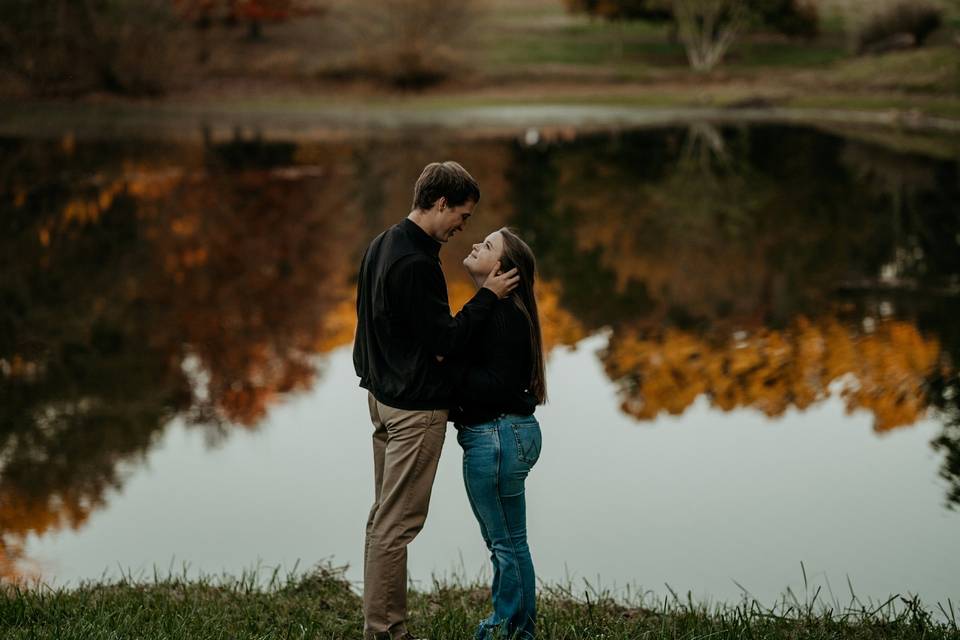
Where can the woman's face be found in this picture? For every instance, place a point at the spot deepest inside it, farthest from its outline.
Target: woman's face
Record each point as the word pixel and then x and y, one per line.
pixel 485 255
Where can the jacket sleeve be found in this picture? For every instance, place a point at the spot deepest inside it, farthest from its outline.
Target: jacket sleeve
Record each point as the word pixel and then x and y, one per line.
pixel 360 335
pixel 418 296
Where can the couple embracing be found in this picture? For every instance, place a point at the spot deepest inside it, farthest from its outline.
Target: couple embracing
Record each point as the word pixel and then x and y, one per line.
pixel 482 370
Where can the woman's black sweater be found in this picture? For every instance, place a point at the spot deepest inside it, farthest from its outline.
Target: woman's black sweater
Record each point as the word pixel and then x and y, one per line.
pixel 496 369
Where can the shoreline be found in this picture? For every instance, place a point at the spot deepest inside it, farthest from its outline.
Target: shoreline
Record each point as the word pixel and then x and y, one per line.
pixel 321 603
pixel 325 120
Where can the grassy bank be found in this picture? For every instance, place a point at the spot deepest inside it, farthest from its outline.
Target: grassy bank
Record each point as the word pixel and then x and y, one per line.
pixel 322 604
pixel 521 53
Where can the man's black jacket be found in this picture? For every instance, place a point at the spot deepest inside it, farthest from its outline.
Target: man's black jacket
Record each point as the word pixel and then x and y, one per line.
pixel 404 322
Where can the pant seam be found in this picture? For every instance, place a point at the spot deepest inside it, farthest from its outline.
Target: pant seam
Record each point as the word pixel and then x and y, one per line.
pixel 388 593
pixel 506 526
pixel 417 468
pixel 472 499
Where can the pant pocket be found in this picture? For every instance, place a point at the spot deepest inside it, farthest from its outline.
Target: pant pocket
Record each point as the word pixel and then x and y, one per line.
pixel 529 441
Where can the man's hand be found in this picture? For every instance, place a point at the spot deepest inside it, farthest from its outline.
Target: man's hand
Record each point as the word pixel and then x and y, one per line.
pixel 502 283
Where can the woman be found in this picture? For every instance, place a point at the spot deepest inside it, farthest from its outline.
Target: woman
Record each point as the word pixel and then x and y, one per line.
pixel 502 384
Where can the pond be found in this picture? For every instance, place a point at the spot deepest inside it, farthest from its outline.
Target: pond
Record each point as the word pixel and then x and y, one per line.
pixel 752 335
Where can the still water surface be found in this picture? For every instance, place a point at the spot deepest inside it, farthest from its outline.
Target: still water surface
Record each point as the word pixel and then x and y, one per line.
pixel 752 333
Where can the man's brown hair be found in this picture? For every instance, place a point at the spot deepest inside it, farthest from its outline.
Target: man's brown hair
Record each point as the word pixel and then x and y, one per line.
pixel 444 179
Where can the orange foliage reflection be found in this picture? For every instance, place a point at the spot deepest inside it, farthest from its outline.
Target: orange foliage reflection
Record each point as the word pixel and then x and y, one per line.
pixel 261 264
pixel 882 371
pixel 234 276
pixel 22 514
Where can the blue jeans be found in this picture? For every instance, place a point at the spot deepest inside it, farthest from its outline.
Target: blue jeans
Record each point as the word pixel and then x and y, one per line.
pixel 497 456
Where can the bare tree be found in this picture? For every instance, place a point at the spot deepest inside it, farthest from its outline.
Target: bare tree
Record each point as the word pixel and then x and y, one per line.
pixel 707 28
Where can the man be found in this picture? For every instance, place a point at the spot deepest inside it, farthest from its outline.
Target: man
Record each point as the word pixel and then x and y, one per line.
pixel 404 331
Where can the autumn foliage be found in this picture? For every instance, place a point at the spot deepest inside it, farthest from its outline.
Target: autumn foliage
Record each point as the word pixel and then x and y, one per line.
pixel 881 371
pixel 207 282
pixel 254 10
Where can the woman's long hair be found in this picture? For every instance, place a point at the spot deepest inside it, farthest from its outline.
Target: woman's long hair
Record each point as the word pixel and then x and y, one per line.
pixel 517 254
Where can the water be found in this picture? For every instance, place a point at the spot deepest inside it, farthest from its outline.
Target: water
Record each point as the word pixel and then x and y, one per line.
pixel 752 335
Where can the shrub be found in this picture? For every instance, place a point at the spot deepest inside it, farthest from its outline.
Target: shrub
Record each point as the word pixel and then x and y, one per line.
pixel 914 18
pixel 405 43
pixel 651 10
pixel 794 18
pixel 69 47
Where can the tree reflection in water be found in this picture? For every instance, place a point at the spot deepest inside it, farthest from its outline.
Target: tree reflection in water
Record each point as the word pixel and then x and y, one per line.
pixel 141 291
pixel 764 267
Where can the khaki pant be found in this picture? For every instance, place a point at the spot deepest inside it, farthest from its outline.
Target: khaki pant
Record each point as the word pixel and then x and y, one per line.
pixel 406 451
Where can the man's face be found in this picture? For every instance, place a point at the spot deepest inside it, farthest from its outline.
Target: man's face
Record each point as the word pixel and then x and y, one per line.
pixel 451 220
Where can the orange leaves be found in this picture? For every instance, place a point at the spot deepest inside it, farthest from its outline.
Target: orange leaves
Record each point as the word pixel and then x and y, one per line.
pixel 22 514
pixel 82 211
pixel 771 371
pixel 889 368
pixel 665 375
pixel 264 9
pixel 272 10
pixel 150 183
pixel 559 327
pixel 339 326
pixel 19 367
pixel 256 282
pixel 93 201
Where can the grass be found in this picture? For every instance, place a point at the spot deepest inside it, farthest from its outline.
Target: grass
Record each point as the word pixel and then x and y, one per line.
pixel 945 107
pixel 931 69
pixel 531 52
pixel 576 40
pixel 513 43
pixel 784 54
pixel 322 604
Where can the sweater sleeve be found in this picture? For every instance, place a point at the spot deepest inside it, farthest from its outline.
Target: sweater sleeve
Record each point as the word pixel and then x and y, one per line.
pixel 418 296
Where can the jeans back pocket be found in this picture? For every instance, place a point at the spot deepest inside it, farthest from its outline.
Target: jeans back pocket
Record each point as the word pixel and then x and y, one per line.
pixel 529 441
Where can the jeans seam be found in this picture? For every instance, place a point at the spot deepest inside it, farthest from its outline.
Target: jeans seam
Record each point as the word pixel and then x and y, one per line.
pixel 516 438
pixel 472 499
pixel 506 526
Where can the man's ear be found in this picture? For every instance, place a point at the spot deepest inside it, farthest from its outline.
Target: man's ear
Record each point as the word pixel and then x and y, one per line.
pixel 441 203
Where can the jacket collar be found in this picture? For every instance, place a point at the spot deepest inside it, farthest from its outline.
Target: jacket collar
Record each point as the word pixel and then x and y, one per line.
pixel 420 238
